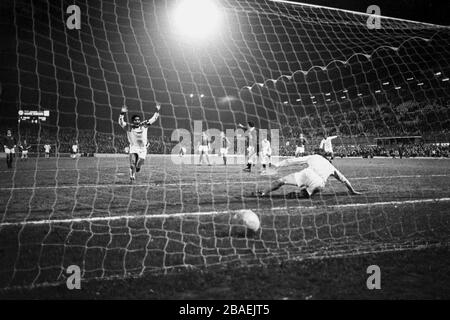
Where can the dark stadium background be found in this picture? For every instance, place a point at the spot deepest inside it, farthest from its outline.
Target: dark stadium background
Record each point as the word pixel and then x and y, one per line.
pixel 435 12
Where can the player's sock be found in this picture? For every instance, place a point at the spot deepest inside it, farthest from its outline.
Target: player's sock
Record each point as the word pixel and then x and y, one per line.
pixel 264 166
pixel 224 160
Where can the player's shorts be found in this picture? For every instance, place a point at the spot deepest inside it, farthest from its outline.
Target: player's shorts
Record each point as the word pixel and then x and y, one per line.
pixel 300 150
pixel 25 152
pixel 141 151
pixel 306 179
pixel 202 148
pixel 265 158
pixel 9 151
pixel 223 151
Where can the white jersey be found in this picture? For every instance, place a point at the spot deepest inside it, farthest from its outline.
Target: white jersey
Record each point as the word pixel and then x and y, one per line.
pixel 75 148
pixel 47 148
pixel 137 136
pixel 315 162
pixel 266 150
pixel 326 145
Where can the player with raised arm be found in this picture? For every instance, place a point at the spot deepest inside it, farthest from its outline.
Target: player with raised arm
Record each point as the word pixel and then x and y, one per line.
pixel 250 135
pixel 137 138
pixel 327 146
pixel 310 180
pixel 203 147
pixel 224 145
pixel 9 145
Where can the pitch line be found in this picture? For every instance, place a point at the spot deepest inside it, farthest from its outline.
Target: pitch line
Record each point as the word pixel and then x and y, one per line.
pixel 214 213
pixel 184 184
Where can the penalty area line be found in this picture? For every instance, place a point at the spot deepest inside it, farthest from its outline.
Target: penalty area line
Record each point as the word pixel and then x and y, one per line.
pixel 213 213
pixel 184 184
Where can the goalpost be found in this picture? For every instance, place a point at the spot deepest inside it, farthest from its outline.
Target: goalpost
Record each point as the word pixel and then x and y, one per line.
pixel 295 69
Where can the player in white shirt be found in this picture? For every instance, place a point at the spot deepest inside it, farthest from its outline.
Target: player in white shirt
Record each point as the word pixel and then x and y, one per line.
pixel 75 150
pixel 224 145
pixel 250 134
pixel 310 180
pixel 137 137
pixel 327 146
pixel 203 147
pixel 266 153
pixel 47 149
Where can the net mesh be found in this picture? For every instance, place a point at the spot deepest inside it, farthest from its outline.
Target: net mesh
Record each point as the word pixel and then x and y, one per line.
pixel 298 69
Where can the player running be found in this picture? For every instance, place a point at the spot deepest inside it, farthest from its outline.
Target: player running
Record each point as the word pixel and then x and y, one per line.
pixel 137 137
pixel 224 145
pixel 266 154
pixel 203 147
pixel 250 134
pixel 311 179
pixel 327 146
pixel 9 145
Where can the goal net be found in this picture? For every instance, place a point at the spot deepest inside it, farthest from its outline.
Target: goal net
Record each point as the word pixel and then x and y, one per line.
pixel 296 71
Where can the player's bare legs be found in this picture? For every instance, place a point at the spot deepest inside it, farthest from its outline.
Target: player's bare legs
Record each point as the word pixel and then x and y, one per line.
pixel 133 162
pixel 139 164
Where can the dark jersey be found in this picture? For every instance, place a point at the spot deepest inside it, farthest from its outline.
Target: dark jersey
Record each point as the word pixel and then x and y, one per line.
pixel 224 142
pixel 9 142
pixel 25 147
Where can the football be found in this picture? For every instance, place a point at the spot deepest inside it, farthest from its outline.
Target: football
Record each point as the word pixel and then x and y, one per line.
pixel 248 218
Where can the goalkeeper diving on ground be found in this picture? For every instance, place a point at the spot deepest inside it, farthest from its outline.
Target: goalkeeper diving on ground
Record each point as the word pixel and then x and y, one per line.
pixel 310 180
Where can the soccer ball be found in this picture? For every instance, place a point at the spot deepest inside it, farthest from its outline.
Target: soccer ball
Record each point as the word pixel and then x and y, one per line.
pixel 249 219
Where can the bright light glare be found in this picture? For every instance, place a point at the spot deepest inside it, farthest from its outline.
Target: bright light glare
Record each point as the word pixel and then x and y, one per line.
pixel 197 18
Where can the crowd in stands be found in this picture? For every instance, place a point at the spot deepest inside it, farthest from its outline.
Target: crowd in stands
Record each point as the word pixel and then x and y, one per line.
pixel 354 123
pixel 402 151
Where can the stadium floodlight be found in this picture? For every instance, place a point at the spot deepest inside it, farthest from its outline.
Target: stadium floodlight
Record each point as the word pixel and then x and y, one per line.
pixel 197 19
pixel 298 100
pixel 420 84
pixel 328 94
pixel 345 90
pixel 328 100
pixel 343 97
pixel 438 73
pixel 398 88
pixel 359 94
pixel 445 79
pixel 202 95
pixel 377 91
pixel 285 102
pixel 409 79
pixel 385 83
pixel 191 95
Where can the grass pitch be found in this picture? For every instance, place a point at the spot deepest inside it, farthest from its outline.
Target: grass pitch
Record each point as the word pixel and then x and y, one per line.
pixel 147 240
